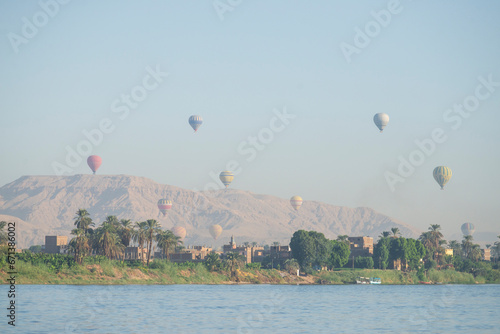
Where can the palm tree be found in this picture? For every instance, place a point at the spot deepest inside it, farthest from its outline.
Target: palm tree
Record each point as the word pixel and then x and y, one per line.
pixel 79 245
pixel 212 261
pixel 83 220
pixel 233 262
pixel 254 243
pixel 152 229
pixel 167 241
pixel 276 243
pixel 385 234
pixel 125 231
pixel 467 246
pixel 246 244
pixel 395 232
pixel 457 248
pixel 139 234
pixel 107 241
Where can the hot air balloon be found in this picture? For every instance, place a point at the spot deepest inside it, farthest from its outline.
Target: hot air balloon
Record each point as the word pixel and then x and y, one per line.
pixel 215 231
pixel 179 231
pixel 468 229
pixel 195 121
pixel 226 177
pixel 94 162
pixel 381 120
pixel 296 202
pixel 164 205
pixel 442 175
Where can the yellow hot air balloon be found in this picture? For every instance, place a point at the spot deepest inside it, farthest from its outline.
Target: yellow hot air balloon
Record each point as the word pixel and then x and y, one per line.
pixel 226 177
pixel 179 231
pixel 296 202
pixel 442 175
pixel 215 231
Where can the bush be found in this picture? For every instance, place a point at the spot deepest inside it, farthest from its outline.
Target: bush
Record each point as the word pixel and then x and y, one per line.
pixel 255 265
pixel 364 262
pixel 430 264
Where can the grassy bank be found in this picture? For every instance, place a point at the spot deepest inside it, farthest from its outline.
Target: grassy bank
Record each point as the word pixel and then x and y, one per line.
pixel 60 269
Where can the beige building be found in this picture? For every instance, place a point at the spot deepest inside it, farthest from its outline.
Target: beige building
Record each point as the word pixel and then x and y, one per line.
pixel 251 254
pixel 136 253
pixel 360 246
pixel 486 254
pixel 190 254
pixel 448 251
pixel 56 244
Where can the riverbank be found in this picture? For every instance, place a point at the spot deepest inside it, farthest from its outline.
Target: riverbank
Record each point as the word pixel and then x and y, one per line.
pixel 160 272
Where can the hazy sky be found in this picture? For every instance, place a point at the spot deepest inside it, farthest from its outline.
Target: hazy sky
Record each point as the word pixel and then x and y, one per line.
pixel 433 66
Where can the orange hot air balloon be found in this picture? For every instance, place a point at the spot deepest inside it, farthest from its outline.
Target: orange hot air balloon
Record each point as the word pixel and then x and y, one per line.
pixel 94 162
pixel 215 231
pixel 179 231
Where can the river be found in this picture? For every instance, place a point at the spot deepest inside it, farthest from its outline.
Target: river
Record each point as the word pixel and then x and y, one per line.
pixel 253 309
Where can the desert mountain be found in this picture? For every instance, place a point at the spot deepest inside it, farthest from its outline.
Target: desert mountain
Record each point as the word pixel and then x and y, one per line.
pixel 46 205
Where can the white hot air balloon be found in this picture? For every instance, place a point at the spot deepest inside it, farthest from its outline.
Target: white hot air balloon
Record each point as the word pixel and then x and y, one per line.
pixel 381 120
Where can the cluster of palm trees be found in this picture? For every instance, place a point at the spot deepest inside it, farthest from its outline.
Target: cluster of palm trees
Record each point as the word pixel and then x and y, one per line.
pixel 113 236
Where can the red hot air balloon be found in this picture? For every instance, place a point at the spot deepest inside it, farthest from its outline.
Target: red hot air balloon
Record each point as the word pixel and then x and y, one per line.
pixel 94 162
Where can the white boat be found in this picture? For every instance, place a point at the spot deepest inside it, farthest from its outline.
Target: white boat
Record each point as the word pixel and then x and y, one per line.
pixel 368 280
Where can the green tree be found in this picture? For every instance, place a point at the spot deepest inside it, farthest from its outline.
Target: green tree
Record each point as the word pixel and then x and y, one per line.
pixel 381 253
pixel 467 246
pixel 303 248
pixel 35 249
pixel 457 248
pixel 339 254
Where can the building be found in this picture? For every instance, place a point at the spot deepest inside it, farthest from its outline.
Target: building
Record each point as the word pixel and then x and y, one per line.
pixel 448 251
pixel 360 246
pixel 279 254
pixel 136 253
pixel 486 254
pixel 190 254
pixel 56 244
pixel 251 254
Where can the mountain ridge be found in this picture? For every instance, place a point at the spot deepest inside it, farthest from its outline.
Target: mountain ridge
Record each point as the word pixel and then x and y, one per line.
pixel 47 204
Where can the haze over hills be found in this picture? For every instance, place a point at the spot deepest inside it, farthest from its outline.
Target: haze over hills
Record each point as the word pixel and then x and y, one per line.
pixel 47 204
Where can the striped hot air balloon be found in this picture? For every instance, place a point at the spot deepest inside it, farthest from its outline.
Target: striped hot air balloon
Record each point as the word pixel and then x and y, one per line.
pixel 381 120
pixel 226 177
pixel 195 121
pixel 442 175
pixel 468 228
pixel 296 202
pixel 94 162
pixel 179 231
pixel 164 205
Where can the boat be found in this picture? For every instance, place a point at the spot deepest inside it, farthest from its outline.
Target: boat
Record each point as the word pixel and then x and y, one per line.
pixel 368 280
pixel 422 282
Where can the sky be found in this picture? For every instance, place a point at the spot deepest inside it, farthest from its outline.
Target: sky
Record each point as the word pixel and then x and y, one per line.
pixel 287 91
